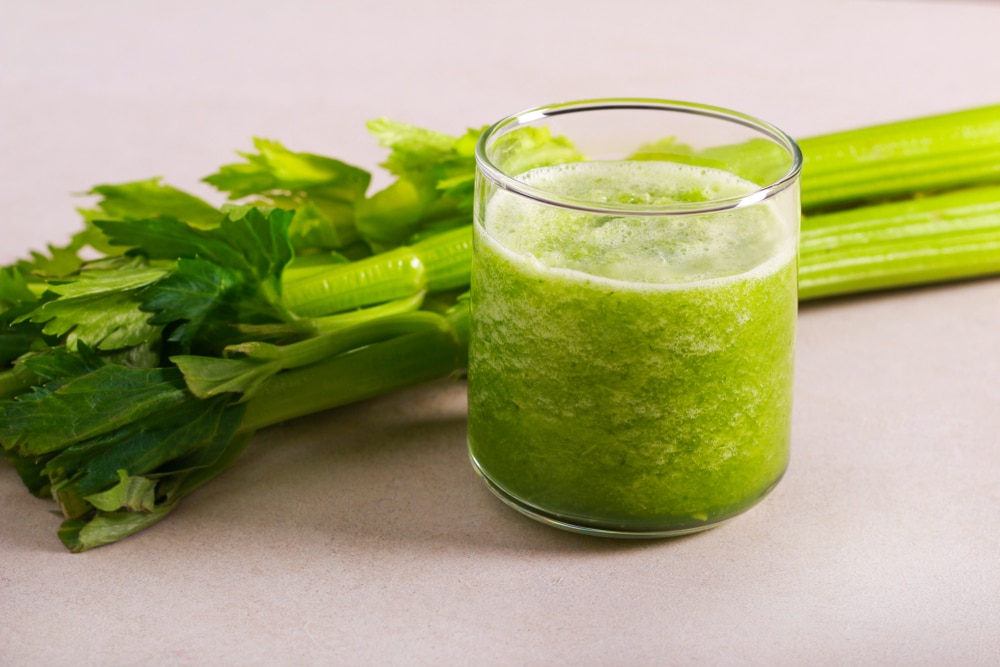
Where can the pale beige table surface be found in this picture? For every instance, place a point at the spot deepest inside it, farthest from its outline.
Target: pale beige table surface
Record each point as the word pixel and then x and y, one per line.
pixel 361 536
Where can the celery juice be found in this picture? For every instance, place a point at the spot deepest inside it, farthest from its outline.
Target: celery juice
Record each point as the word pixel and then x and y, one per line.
pixel 631 374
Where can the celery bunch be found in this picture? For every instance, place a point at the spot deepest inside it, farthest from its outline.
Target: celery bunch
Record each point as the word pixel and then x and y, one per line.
pixel 129 381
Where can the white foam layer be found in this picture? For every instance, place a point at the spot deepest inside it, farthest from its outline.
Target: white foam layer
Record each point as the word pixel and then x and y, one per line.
pixel 783 256
pixel 642 252
pixel 637 182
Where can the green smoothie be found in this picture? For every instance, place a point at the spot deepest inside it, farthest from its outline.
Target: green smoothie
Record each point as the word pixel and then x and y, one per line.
pixel 631 373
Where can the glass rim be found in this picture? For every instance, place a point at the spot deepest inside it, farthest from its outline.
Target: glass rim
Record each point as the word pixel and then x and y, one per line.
pixel 529 116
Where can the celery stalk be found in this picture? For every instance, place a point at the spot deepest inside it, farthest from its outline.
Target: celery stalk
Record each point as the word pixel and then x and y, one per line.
pixel 927 239
pixel 435 264
pixel 370 371
pixel 931 153
pixel 246 366
pixel 330 323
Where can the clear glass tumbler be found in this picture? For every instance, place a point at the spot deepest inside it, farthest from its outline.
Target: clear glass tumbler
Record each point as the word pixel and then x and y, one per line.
pixel 633 314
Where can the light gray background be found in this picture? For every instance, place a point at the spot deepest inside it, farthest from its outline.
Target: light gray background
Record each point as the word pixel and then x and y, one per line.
pixel 361 536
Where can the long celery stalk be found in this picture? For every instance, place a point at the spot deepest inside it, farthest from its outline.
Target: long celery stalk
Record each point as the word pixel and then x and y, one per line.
pixel 246 366
pixel 370 371
pixel 918 241
pixel 931 153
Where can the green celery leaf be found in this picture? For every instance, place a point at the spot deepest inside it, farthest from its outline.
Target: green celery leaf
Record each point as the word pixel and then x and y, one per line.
pixel 142 447
pixel 275 168
pixel 70 410
pixel 99 308
pixel 65 260
pixel 461 186
pixel 181 448
pixel 322 190
pixel 254 243
pixel 61 261
pixel 108 527
pixel 528 148
pixel 238 211
pixel 123 202
pixel 105 281
pixel 93 237
pixel 413 148
pixel 226 275
pixel 211 376
pixel 465 146
pixel 16 300
pixel 16 341
pixel 424 156
pixel 457 181
pixel 14 289
pixel 58 365
pixel 144 355
pixel 436 179
pixel 168 238
pixel 110 321
pixel 116 447
pixel 205 464
pixel 214 453
pixel 194 292
pixel 318 224
pixel 133 493
pixel 261 240
pixel 146 199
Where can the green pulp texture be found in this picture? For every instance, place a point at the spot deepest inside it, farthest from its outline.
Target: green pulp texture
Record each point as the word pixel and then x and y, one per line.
pixel 627 405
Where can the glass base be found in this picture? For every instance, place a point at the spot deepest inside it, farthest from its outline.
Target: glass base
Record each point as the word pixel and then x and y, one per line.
pixel 576 525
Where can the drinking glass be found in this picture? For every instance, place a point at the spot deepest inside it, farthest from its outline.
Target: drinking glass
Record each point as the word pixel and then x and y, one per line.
pixel 633 314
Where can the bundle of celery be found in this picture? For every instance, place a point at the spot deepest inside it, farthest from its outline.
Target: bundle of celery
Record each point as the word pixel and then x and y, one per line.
pixel 128 381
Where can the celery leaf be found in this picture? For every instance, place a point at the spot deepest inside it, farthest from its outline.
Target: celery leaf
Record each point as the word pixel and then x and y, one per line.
pixel 52 417
pixel 230 274
pixel 99 308
pixel 16 300
pixel 274 168
pixel 322 191
pixel 434 188
pixel 144 199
